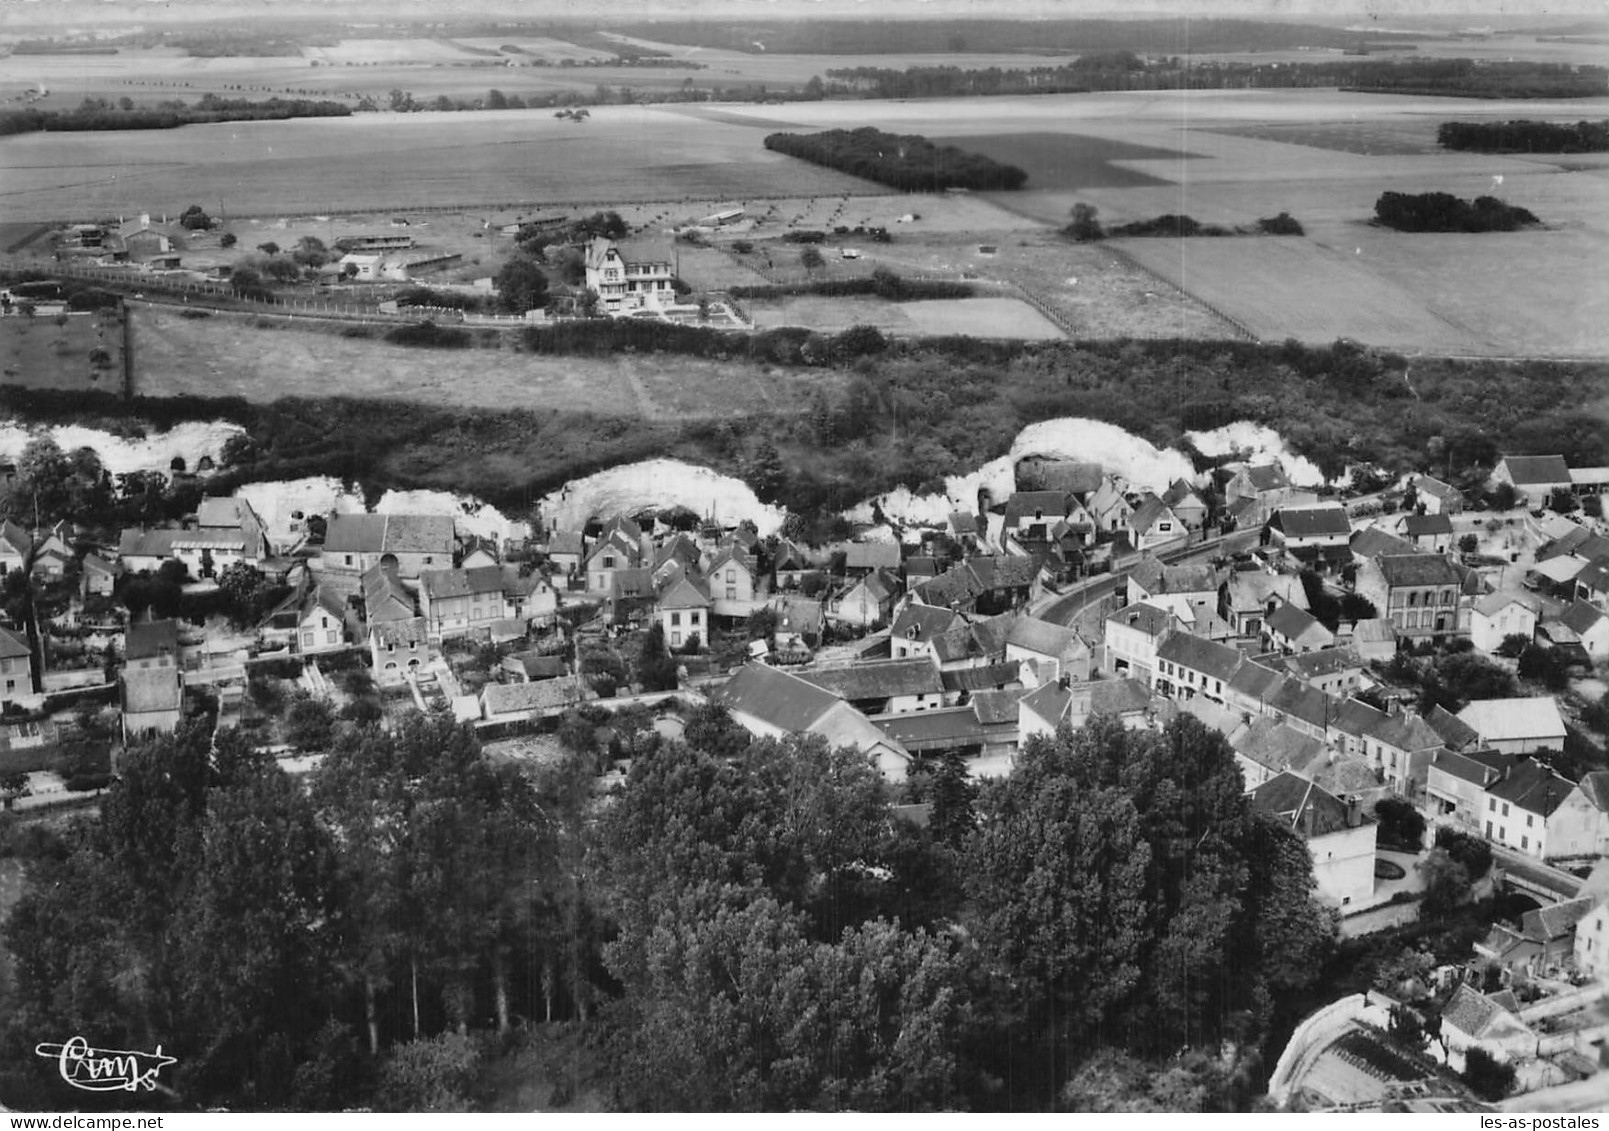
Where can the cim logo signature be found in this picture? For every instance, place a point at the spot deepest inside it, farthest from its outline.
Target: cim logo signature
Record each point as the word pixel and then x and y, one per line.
pixel 105 1070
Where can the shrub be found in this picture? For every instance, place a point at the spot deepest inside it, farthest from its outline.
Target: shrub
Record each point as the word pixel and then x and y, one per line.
pixel 1282 225
pixel 429 335
pixel 1487 1077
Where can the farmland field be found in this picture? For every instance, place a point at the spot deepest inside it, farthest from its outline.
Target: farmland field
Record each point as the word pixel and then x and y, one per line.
pixel 977 317
pixel 1066 161
pixel 53 352
pixel 229 355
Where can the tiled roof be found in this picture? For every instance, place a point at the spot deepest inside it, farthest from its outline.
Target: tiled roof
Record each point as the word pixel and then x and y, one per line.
pixel 1426 485
pixel 1494 603
pixel 1406 732
pixel 631 583
pixel 1374 630
pixel 1372 542
pixel 996 708
pixel 1555 920
pixel 871 555
pixel 444 584
pixel 1298 700
pixel 1581 617
pixel 1355 717
pixel 1252 589
pixel 780 698
pixel 1045 638
pixel 685 593
pixel 1150 511
pixel 1418 569
pixel 1533 787
pixel 1454 731
pixel 134 542
pixel 541 695
pixel 151 689
pixel 1469 1010
pixel 1427 525
pixel 880 679
pixel 1327 520
pixel 1537 470
pixel 921 623
pixel 1181 492
pixel 566 542
pixel 1144 618
pixel 1116 696
pixel 1291 622
pixel 1291 799
pixel 1155 578
pixel 413 630
pixel 1323 662
pixel 963 523
pixel 985 677
pixel 1025 504
pixel 1001 571
pixel 384 597
pixel 1196 654
pixel 12 646
pixel 389 534
pixel 1256 681
pixel 1049 701
pixel 1276 746
pixel 1480 767
pixel 1267 477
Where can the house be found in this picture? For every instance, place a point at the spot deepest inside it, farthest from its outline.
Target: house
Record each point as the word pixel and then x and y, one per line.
pixel 1456 784
pixel 867 602
pixel 1497 616
pixel 1265 485
pixel 398 647
pixel 478 553
pixel 565 550
pixel 1592 942
pixel 1456 734
pixel 1319 526
pixel 236 516
pixel 362 266
pixel 1108 508
pixel 1472 1018
pixel 964 528
pixel 1132 636
pixel 1534 478
pixel 1334 671
pixel 790 564
pixel 151 644
pixel 1516 726
pixel 1374 638
pixel 529 667
pixel 1247 597
pixel 960 683
pixel 630 275
pixel 1426 533
pixel 1372 542
pixel 619 547
pixel 799 621
pixel 142 239
pixel 1545 940
pixel 1030 515
pixel 631 595
pixel 1153 524
pixel 543 699
pixel 1349 726
pixel 152 701
pixel 1401 747
pixel 384 597
pixel 1422 594
pixel 1339 836
pixel 684 611
pixel 1051 650
pixel 52 554
pixel 1437 497
pixel 1186 502
pixel 1266 747
pixel 863 557
pixel 984 731
pixel 98 576
pixel 320 622
pixel 733 577
pixel 986 584
pixel 1190 592
pixel 457 602
pixel 772 703
pixel 15 547
pixel 16 666
pixel 1187 666
pixel 1590 625
pixel 915 629
pixel 1541 813
pixel 1292 629
pixel 973 644
pixel 1051 705
pixel 882 687
pixel 409 543
pixel 679 554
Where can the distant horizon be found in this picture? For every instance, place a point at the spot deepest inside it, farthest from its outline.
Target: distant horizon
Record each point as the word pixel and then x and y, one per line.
pixel 1396 15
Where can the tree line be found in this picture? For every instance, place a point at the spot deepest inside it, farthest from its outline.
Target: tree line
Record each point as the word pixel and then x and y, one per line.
pixel 1523 136
pixel 910 162
pixel 744 924
pixel 98 114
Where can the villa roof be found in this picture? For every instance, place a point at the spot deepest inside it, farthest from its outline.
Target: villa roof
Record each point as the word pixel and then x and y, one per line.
pixel 1533 787
pixel 1205 656
pixel 1324 520
pixel 1418 569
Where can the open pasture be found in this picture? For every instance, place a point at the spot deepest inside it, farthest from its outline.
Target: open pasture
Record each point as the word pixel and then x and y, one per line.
pixel 1067 161
pixel 53 352
pixel 989 317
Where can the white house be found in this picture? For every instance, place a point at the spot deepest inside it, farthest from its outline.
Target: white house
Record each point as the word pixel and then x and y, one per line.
pixel 1516 726
pixel 684 611
pixel 733 582
pixel 1541 813
pixel 630 274
pixel 1340 837
pixel 1132 636
pixel 1590 625
pixel 1502 614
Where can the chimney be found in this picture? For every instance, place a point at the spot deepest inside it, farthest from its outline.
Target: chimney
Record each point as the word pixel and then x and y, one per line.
pixel 1307 821
pixel 1354 812
pixel 1064 682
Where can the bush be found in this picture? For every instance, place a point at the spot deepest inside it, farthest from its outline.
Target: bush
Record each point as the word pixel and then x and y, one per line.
pixel 429 335
pixel 1400 823
pixel 1470 851
pixel 433 1074
pixel 1443 212
pixel 1282 225
pixel 1487 1077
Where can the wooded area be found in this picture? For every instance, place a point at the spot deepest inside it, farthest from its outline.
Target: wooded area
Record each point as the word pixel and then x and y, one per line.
pixel 908 162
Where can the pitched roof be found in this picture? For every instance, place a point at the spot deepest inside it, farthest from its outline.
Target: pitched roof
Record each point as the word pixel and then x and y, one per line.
pixel 1537 470
pixel 1555 920
pixel 1307 809
pixel 1293 623
pixel 1469 1010
pixel 984 677
pixel 1025 504
pixel 1275 745
pixel 1427 525
pixel 1497 720
pixel 1150 511
pixel 1418 569
pixel 1266 477
pixel 1533 787
pixel 1406 732
pixel 781 699
pixel 1454 731
pixel 94 563
pixel 998 706
pixel 685 592
pixel 1596 788
pixel 1581 617
pixel 1049 701
pixel 1494 603
pixel 1297 700
pixel 1155 578
pixel 1374 630
pixel 444 584
pixel 1324 520
pixel 406 631
pixel 1322 662
pixel 732 554
pixel 922 623
pixel 1372 542
pixel 566 542
pixel 13 646
pixel 1044 637
pixel 389 534
pixel 1481 767
pixel 152 689
pixel 631 583
pixel 1355 717
pixel 881 679
pixel 1179 492
pixel 1067 475
pixel 1428 485
pixel 1252 588
pixel 149 639
pixel 1257 680
pixel 963 522
pixel 135 542
pixel 540 695
pixel 1205 656
pixel 1001 571
pixel 681 548
pixel 384 598
pixel 798 614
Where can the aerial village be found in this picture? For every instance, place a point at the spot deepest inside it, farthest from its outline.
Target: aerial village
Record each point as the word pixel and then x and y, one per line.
pixel 1326 638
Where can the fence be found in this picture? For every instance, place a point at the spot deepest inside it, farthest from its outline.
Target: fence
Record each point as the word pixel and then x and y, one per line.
pixel 1240 328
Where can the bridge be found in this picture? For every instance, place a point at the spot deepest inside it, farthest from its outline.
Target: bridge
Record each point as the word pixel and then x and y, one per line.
pixel 1542 882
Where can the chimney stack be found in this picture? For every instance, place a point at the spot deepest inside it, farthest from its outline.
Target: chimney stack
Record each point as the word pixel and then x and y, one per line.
pixel 1354 812
pixel 1307 821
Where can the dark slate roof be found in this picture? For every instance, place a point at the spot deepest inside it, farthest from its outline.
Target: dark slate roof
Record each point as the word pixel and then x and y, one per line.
pixel 1150 511
pixel 1291 622
pixel 1275 745
pixel 1418 569
pixel 955 586
pixel 1291 798
pixel 984 678
pixel 945 729
pixel 12 646
pixel 1179 492
pixel 871 555
pixel 566 542
pixel 1555 920
pixel 631 583
pixel 1324 661
pixel 882 679
pixel 1002 571
pixel 922 623
pixel 1454 731
pixel 1529 470
pixel 389 534
pixel 1478 766
pixel 1143 618
pixel 1580 617
pixel 1372 542
pixel 1049 701
pixel 1427 525
pixel 963 522
pixel 777 697
pixel 1533 787
pixel 1355 717
pixel 1256 681
pixel 1024 504
pixel 1298 700
pixel 1405 732
pixel 150 639
pixel 1205 656
pixel 1312 522
pixel 995 708
pixel 1116 696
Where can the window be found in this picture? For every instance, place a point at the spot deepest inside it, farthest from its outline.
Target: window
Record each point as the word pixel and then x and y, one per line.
pixel 332 637
pixel 349 559
pixel 731 576
pixel 1529 820
pixel 1491 804
pixel 1488 829
pixel 608 561
pixel 11 685
pixel 1413 599
pixel 307 639
pixel 675 639
pixel 1525 842
pixel 675 620
pixel 1505 808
